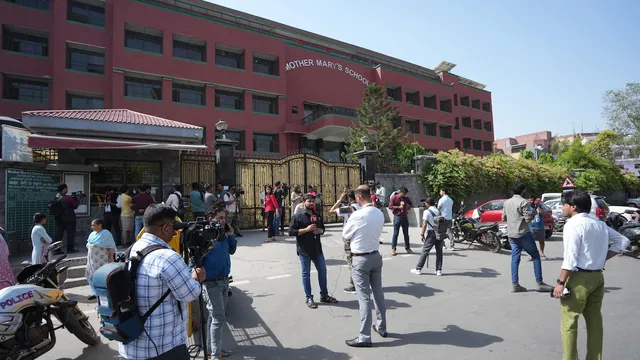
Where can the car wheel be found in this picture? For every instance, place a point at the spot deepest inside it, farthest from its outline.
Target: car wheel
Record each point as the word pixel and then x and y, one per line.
pixel 548 233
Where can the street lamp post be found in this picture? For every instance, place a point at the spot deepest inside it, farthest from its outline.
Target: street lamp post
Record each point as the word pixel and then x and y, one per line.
pixel 365 141
pixel 222 126
pixel 536 149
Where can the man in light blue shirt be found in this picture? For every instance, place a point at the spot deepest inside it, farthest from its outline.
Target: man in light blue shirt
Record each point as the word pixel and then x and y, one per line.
pixel 445 206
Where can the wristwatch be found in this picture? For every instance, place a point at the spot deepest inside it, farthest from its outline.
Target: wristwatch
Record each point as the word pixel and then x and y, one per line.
pixel 560 282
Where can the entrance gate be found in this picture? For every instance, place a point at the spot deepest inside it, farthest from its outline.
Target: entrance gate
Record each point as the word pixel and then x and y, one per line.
pixel 200 168
pixel 329 179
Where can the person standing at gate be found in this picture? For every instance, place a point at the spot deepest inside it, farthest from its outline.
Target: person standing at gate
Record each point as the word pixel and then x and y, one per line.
pixel 124 203
pixel 112 215
pixel 64 210
pixel 588 244
pixel 140 203
pixel 400 205
pixel 197 201
pixel 271 208
pixel 279 193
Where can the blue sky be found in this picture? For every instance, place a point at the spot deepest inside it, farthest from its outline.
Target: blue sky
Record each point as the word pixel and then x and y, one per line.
pixel 547 63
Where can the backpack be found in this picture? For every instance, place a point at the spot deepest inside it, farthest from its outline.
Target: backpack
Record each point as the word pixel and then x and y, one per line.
pixel 115 286
pixel 183 204
pixel 56 207
pixel 439 225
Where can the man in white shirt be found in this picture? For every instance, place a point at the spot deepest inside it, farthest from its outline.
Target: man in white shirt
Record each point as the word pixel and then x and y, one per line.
pixel 231 201
pixel 381 193
pixel 585 254
pixel 445 206
pixel 348 196
pixel 363 231
pixel 429 238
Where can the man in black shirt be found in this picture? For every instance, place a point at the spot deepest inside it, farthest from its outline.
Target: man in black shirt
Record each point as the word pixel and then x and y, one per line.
pixel 307 226
pixel 280 193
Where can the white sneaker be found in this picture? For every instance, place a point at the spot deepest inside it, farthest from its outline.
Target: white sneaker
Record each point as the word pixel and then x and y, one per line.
pixel 439 272
pixel 416 271
pixel 452 249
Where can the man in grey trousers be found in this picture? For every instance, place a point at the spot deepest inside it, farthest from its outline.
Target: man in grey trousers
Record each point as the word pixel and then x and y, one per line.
pixel 363 229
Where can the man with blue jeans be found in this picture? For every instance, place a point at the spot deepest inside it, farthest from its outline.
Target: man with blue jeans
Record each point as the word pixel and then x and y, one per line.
pixel 400 205
pixel 217 265
pixel 517 212
pixel 307 226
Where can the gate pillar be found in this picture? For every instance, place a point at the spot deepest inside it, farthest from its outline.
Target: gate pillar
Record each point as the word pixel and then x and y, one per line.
pixel 367 160
pixel 225 161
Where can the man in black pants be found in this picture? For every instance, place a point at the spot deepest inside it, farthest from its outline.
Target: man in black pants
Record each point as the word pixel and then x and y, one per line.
pixel 112 215
pixel 66 218
pixel 430 238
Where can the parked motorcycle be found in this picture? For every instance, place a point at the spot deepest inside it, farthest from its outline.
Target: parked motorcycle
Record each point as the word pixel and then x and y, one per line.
pixel 26 327
pixel 469 229
pixel 615 220
pixel 504 238
pixel 632 231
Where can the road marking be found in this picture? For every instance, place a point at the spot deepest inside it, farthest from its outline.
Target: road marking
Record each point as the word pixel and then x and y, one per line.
pixel 406 255
pixel 279 277
pixel 387 258
pixel 240 282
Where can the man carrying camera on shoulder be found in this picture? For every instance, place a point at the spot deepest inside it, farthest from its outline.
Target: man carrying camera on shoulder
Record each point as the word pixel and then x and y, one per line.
pixel 217 264
pixel 232 202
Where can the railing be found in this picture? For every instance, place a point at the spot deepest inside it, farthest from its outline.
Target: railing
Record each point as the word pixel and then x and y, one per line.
pixel 332 110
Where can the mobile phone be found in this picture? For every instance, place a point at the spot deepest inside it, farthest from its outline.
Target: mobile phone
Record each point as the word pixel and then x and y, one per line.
pixel 566 292
pixel 344 210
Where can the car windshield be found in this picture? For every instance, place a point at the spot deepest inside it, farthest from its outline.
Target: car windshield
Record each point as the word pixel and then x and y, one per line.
pixel 600 202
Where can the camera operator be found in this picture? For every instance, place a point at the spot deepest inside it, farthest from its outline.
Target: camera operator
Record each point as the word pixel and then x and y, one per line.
pixel 232 202
pixel 217 264
pixel 63 209
pixel 165 334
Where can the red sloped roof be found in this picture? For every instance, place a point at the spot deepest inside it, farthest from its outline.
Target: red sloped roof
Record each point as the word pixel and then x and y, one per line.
pixel 123 116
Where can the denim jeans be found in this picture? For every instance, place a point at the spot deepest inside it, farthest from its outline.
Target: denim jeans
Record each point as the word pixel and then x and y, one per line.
pixel 215 294
pixel 276 224
pixel 321 266
pixel 138 225
pixel 399 221
pixel 527 244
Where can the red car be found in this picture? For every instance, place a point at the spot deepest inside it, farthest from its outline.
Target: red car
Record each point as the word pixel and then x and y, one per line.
pixel 491 211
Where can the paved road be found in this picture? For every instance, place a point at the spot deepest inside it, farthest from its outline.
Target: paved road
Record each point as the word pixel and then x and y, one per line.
pixel 466 314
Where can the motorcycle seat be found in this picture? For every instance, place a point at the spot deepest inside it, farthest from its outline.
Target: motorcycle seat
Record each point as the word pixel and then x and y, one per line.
pixel 484 225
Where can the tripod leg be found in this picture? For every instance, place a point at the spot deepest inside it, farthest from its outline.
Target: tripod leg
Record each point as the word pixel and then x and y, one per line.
pixel 203 327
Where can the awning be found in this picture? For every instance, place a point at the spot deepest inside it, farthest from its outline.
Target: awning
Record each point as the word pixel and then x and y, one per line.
pixel 37 141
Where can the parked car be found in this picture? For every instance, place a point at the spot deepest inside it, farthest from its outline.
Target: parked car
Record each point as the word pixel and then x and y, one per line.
pixel 628 212
pixel 491 211
pixel 599 208
pixel 634 202
pixel 546 197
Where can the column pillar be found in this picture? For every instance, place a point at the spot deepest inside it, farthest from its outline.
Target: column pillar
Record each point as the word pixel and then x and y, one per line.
pixel 225 161
pixel 423 162
pixel 368 165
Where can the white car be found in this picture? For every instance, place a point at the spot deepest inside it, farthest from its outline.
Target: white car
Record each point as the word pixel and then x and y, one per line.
pixel 628 212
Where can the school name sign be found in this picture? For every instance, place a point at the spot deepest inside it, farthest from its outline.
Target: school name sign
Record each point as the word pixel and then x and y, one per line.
pixel 296 64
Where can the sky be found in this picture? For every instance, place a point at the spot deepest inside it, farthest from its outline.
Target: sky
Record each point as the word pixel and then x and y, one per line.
pixel 547 63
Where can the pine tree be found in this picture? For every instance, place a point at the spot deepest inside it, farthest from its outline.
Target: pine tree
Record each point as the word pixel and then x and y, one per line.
pixel 375 119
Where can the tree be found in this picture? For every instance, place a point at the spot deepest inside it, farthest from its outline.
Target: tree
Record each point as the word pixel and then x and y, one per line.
pixel 622 110
pixel 602 145
pixel 375 117
pixel 527 154
pixel 546 159
pixel 406 152
pixel 559 146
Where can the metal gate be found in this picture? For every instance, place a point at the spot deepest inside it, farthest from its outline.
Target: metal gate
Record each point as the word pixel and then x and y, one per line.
pixel 200 168
pixel 329 178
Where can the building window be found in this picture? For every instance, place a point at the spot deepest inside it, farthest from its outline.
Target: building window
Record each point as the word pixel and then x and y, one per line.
pixel 396 123
pixel 25 90
pixel 229 56
pixel 188 94
pixel 455 99
pixel 265 105
pixel 143 39
pixel 413 98
pixel 466 122
pixel 475 104
pixel 464 101
pixel 431 102
pixel 487 126
pixel 35 4
pixel 457 124
pixel 237 135
pixel 412 126
pixel 466 144
pixel 430 129
pixel 445 131
pixel 265 64
pixel 477 124
pixel 487 146
pixel 266 143
pixel 25 41
pixel 457 145
pixel 188 48
pixel 85 59
pixel 477 144
pixel 294 109
pixel 229 100
pixel 143 88
pixel 85 13
pixel 486 106
pixel 83 102
pixel 394 94
pixel 445 105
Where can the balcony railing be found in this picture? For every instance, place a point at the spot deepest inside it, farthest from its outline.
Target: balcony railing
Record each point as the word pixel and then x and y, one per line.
pixel 324 111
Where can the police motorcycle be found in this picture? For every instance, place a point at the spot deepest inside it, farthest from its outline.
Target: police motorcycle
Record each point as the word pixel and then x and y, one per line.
pixel 27 330
pixel 471 230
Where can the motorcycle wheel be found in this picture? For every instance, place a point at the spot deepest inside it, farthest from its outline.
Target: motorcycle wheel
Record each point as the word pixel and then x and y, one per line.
pixel 79 325
pixel 458 237
pixel 492 241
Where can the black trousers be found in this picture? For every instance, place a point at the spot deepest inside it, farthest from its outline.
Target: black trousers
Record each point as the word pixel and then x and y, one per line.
pixel 70 228
pixel 177 353
pixel 282 217
pixel 112 223
pixel 428 244
pixel 270 217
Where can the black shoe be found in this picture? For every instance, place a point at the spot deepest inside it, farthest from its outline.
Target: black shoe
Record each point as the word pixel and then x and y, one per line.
pixel 357 343
pixel 350 290
pixel 92 297
pixel 311 304
pixel 381 333
pixel 239 235
pixel 71 251
pixel 328 300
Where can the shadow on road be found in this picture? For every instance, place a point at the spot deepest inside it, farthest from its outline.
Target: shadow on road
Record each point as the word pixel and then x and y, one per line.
pixel 418 290
pixel 611 288
pixel 353 304
pixel 90 352
pixel 482 273
pixel 451 335
pixel 334 262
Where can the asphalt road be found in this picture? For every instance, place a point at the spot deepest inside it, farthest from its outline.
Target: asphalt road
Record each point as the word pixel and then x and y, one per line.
pixel 466 314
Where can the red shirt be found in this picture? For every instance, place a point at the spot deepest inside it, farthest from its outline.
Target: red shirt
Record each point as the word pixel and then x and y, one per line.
pixel 270 203
pixel 396 200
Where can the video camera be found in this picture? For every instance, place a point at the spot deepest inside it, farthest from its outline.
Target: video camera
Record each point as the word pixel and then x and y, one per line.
pixel 78 195
pixel 239 191
pixel 199 237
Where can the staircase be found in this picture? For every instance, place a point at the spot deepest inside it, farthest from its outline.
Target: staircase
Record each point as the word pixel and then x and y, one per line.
pixel 74 276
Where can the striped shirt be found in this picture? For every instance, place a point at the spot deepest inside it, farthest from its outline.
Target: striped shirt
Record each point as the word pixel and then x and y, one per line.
pixel 166 327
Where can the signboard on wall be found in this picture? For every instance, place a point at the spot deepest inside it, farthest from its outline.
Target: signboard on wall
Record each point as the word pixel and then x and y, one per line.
pixel 15 144
pixel 296 64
